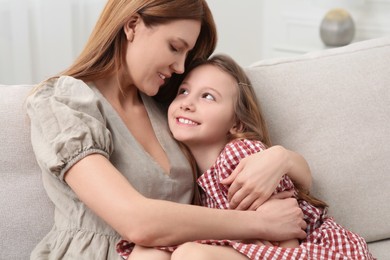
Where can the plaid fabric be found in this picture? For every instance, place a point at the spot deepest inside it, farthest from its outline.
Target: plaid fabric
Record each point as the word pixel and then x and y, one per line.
pixel 325 238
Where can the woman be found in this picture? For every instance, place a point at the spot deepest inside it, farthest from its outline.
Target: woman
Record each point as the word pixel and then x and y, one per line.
pixel 109 164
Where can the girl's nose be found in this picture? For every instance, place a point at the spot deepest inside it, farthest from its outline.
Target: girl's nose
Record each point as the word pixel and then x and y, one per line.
pixel 187 106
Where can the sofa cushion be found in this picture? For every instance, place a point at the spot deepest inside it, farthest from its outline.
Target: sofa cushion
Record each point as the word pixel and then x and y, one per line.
pixel 333 107
pixel 26 213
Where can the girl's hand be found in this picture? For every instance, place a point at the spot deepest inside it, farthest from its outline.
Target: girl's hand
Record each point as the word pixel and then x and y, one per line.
pixel 256 177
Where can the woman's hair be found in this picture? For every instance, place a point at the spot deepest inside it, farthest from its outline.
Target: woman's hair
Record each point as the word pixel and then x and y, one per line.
pixel 105 50
pixel 249 118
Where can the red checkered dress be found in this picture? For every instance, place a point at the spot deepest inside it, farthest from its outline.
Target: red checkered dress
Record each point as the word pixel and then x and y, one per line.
pixel 325 238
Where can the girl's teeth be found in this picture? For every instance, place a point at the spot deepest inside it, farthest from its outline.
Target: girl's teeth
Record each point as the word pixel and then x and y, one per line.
pixel 162 76
pixel 186 121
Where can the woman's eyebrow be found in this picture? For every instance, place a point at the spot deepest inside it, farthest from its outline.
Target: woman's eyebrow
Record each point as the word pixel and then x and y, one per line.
pixel 184 42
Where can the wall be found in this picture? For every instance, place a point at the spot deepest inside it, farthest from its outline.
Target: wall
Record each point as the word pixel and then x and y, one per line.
pixel 291 27
pixel 239 25
pixel 39 38
pixel 253 30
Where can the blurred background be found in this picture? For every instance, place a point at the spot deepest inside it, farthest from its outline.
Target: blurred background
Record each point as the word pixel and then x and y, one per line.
pixel 39 38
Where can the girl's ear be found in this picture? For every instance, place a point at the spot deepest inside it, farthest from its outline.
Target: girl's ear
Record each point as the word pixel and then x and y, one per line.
pixel 238 127
pixel 130 26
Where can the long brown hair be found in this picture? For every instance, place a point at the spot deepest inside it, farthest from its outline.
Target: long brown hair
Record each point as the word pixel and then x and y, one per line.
pixel 249 116
pixel 104 51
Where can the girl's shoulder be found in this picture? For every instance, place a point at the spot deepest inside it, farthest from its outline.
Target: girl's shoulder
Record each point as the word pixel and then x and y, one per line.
pixel 244 146
pixel 238 149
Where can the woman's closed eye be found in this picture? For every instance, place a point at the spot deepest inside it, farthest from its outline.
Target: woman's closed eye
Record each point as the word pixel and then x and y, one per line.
pixel 173 48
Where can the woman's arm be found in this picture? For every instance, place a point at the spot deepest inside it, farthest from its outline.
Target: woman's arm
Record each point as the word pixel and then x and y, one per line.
pixel 149 222
pixel 257 176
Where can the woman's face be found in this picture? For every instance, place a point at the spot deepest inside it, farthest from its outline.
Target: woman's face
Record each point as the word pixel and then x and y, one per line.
pixel 202 114
pixel 154 53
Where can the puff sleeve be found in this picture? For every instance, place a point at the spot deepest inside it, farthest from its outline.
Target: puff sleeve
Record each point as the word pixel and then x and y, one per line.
pixel 67 124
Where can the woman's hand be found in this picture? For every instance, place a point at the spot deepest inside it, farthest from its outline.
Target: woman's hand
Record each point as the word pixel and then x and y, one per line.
pixel 258 175
pixel 284 218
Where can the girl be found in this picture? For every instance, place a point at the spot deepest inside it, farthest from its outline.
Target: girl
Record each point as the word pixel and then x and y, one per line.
pixel 216 116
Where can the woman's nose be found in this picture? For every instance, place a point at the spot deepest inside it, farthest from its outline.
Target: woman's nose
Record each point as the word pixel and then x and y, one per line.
pixel 178 65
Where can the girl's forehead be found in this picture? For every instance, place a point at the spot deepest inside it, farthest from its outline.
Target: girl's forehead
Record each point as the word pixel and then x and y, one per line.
pixel 210 73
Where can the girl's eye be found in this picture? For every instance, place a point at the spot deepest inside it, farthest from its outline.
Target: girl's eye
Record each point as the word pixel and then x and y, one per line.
pixel 208 96
pixel 182 91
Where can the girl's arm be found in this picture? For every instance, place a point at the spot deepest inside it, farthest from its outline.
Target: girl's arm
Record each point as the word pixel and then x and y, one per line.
pixel 149 222
pixel 257 176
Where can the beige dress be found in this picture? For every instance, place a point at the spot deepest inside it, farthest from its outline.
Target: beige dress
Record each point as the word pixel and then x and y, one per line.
pixel 70 120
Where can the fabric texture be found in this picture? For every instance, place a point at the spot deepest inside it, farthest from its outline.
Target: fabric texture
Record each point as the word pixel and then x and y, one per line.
pixel 70 120
pixel 26 213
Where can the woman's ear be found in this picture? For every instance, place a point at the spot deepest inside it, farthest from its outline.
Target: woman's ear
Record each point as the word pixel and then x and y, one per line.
pixel 130 26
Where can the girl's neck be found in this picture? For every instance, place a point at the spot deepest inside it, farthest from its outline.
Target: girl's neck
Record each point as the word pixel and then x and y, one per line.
pixel 205 155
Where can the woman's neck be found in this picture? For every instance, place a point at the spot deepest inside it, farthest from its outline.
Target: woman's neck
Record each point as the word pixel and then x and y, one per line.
pixel 119 96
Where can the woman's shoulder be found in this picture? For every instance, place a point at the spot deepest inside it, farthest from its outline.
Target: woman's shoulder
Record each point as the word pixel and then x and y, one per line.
pixel 67 123
pixel 62 86
pixel 64 91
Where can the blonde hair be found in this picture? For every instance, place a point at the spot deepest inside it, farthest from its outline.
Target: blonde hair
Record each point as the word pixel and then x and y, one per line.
pixel 104 51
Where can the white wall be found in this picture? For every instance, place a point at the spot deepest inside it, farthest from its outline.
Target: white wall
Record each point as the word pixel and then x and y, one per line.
pixel 292 26
pixel 239 25
pixel 251 30
pixel 39 38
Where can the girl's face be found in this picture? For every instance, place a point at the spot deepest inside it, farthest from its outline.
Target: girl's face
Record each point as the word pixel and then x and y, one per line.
pixel 203 111
pixel 154 53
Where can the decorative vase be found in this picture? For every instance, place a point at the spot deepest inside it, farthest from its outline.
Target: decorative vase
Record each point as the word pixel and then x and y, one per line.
pixel 337 28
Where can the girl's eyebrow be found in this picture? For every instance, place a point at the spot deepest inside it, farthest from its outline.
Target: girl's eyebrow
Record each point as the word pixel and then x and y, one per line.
pixel 213 90
pixel 204 88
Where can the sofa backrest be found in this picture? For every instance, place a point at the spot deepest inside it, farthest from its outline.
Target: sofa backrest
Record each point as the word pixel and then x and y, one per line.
pixel 26 214
pixel 333 107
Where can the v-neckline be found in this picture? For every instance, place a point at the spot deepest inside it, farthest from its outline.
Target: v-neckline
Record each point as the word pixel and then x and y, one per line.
pixel 126 132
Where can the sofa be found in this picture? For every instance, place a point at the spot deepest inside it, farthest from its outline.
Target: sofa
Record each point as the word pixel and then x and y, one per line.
pixel 332 106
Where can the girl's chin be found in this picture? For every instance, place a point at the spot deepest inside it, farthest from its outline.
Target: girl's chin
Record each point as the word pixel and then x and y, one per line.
pixel 180 138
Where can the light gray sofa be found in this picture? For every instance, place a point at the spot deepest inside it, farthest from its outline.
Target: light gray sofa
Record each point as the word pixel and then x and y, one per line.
pixel 332 106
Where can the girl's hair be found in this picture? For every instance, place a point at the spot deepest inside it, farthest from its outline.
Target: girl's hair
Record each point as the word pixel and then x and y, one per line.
pixel 249 117
pixel 105 50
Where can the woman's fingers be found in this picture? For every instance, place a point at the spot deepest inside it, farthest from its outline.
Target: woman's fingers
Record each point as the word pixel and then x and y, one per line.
pixel 229 180
pixel 283 195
